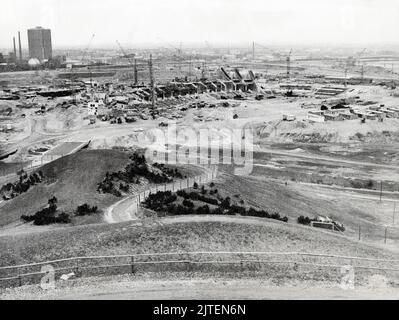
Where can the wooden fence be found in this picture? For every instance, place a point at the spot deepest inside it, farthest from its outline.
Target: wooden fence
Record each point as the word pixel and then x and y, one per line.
pixel 312 264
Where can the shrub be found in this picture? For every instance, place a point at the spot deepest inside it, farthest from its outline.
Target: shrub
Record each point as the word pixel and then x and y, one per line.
pixel 158 201
pixel 24 183
pixel 203 210
pixel 85 209
pixel 48 215
pixel 136 168
pixel 63 218
pixel 225 204
pixel 304 220
pixel 188 203
pixel 124 187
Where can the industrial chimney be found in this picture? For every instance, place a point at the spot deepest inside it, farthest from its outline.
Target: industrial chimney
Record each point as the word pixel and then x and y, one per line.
pixel 15 49
pixel 20 49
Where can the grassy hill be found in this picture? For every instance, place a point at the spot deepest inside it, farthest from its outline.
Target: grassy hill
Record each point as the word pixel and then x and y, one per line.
pixel 188 234
pixel 296 199
pixel 72 179
pixel 184 233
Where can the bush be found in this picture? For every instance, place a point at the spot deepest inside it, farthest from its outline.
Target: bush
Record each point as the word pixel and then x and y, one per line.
pixel 159 201
pixel 137 167
pixel 304 220
pixel 124 187
pixel 63 218
pixel 203 210
pixel 237 209
pixel 188 203
pixel 225 204
pixel 48 215
pixel 163 201
pixel 85 209
pixel 24 183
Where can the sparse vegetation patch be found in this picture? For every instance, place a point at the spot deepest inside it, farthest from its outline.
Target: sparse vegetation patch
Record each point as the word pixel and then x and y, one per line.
pixel 192 202
pixel 117 182
pixel 25 182
pixel 48 215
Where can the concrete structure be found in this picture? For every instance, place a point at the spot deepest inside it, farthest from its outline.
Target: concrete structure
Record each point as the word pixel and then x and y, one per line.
pixel 63 149
pixel 39 40
pixel 315 117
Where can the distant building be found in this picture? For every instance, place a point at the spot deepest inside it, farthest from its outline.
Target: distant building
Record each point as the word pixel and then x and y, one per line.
pixel 39 41
pixel 92 108
pixel 12 58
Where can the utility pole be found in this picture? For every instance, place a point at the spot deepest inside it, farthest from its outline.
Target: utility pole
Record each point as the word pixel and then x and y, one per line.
pixel 152 87
pixel 189 68
pixel 362 72
pixel 289 64
pixel 253 51
pixel 180 58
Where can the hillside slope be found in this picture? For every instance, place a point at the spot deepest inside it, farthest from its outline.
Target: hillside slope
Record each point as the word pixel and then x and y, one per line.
pixel 295 199
pixel 193 234
pixel 72 179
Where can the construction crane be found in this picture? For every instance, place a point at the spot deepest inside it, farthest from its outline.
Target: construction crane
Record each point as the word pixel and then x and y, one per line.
pixel 87 48
pixel 74 75
pixel 358 56
pixel 179 54
pixel 273 52
pixel 133 64
pixel 352 62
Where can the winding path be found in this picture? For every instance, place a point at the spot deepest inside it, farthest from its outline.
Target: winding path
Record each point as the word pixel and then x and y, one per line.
pixel 127 208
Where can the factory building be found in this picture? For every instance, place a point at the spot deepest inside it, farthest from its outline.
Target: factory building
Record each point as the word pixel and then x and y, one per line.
pixel 39 41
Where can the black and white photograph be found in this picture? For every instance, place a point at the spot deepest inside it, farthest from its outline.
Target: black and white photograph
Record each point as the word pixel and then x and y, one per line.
pixel 199 150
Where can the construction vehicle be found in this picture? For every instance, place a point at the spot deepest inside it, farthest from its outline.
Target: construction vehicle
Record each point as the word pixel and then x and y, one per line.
pixel 287 117
pixel 327 223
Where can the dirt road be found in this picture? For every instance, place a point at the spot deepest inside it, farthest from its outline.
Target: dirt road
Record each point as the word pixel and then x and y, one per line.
pixel 127 287
pixel 127 208
pixel 319 158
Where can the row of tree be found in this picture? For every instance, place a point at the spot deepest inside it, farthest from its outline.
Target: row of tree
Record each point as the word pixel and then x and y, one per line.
pixel 117 182
pixel 197 197
pixel 24 183
pixel 163 201
pixel 50 214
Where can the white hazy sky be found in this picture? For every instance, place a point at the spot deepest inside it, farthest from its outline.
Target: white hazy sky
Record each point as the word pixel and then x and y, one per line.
pixel 135 22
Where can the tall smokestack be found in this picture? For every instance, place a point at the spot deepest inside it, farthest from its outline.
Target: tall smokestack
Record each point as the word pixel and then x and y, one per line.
pixel 15 48
pixel 19 43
